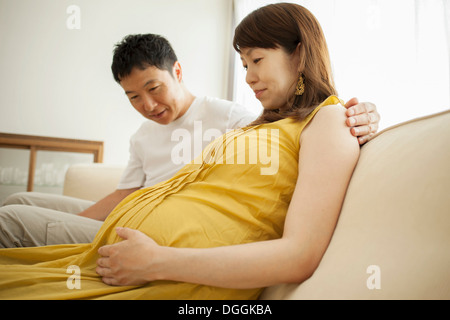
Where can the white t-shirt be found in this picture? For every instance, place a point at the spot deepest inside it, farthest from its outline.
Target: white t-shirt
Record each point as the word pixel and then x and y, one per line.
pixel 158 151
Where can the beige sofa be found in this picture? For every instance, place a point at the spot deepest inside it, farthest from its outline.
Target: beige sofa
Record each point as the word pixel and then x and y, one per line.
pixel 392 240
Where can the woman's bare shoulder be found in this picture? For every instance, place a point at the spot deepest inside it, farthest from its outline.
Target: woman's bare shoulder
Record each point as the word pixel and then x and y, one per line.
pixel 328 129
pixel 333 113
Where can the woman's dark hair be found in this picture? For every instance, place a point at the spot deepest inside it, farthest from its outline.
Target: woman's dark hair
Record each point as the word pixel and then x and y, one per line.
pixel 286 26
pixel 142 51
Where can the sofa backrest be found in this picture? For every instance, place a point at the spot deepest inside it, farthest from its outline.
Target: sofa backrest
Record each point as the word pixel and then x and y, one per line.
pixel 91 181
pixel 392 240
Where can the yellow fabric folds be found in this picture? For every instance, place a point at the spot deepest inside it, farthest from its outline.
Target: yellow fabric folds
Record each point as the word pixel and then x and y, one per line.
pixel 237 191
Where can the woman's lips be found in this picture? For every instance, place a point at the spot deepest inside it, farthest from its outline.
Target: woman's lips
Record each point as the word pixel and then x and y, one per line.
pixel 258 93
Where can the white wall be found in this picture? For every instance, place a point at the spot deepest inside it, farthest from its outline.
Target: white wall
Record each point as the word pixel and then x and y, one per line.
pixel 57 81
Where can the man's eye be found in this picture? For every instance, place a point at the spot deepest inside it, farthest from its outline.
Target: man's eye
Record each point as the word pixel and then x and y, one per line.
pixel 153 89
pixel 256 60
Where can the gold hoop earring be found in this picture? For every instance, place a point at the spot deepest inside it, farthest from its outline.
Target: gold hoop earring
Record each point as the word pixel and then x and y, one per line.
pixel 300 89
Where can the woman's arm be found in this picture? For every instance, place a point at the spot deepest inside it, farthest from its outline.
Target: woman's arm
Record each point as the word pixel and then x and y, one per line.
pixel 328 156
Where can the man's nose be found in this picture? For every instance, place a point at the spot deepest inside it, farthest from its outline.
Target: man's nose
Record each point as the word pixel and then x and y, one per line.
pixel 149 104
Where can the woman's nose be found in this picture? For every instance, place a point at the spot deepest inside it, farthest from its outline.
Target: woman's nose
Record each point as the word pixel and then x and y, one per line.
pixel 251 77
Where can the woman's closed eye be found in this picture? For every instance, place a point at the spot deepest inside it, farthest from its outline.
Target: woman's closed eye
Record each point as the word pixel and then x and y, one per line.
pixel 255 61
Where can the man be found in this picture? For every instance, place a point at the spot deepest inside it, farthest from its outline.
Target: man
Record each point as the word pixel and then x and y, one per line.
pixel 148 70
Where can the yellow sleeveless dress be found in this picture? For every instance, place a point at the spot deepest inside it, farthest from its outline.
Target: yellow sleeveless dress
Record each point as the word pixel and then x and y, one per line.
pixel 237 191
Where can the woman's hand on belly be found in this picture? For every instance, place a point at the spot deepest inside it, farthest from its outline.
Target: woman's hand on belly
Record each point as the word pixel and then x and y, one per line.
pixel 132 261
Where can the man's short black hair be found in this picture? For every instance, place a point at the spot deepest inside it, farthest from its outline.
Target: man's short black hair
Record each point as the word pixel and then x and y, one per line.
pixel 142 51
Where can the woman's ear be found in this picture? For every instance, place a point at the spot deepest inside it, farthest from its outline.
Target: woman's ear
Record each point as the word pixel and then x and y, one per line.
pixel 300 56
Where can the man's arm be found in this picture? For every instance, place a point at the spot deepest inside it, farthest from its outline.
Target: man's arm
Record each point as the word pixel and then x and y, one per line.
pixel 363 119
pixel 101 209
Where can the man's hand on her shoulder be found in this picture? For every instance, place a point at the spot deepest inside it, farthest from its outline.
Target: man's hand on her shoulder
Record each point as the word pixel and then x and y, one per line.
pixel 362 118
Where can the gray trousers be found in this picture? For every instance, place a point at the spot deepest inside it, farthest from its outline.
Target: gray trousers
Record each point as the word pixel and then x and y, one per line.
pixel 30 219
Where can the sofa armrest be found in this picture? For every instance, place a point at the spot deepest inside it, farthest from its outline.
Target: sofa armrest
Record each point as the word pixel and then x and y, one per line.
pixel 91 181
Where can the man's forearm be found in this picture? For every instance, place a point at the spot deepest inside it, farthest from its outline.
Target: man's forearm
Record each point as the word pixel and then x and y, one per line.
pixel 101 209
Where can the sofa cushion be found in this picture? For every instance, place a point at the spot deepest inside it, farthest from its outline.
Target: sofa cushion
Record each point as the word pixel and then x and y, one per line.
pixel 392 240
